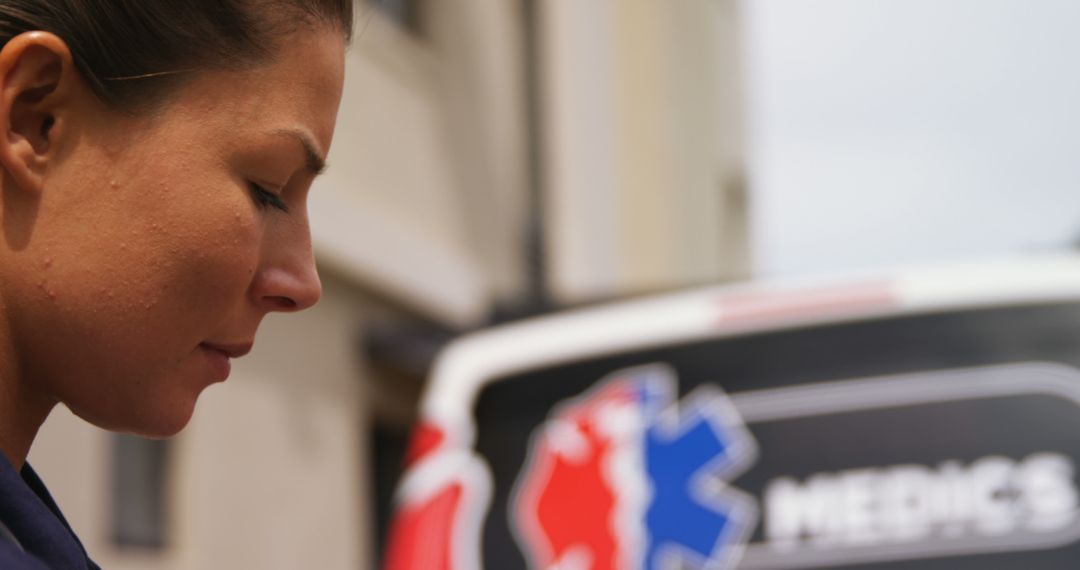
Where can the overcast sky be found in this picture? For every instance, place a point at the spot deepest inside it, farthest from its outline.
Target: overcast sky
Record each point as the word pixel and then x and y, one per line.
pixel 893 131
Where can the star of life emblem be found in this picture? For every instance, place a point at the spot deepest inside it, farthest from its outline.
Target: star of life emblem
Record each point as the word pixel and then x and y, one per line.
pixel 625 477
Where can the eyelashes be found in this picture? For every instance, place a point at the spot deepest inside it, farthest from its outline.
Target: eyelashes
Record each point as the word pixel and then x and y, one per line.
pixel 266 199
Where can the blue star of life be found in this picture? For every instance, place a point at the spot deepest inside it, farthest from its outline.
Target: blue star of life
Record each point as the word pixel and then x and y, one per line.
pixel 691 451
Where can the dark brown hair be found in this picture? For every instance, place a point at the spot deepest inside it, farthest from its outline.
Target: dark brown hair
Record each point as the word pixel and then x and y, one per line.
pixel 132 52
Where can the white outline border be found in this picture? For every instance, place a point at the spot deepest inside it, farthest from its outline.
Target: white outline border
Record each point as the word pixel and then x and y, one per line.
pixel 437 472
pixel 471 362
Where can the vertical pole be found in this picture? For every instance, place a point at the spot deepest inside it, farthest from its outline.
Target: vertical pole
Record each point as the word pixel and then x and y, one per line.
pixel 536 296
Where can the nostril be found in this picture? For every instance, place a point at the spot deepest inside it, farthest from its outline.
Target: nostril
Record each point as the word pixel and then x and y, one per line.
pixel 281 303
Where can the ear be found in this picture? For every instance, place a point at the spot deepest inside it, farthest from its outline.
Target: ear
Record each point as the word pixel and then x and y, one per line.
pixel 37 76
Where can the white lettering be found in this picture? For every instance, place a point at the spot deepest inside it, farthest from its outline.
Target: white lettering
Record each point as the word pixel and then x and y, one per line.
pixel 794 510
pixel 993 495
pixel 1046 480
pixel 905 503
pixel 859 507
pixel 908 496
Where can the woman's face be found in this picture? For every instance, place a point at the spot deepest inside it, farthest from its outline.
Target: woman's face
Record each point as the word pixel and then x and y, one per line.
pixel 161 241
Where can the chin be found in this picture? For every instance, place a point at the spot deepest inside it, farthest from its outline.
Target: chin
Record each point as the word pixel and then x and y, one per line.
pixel 167 422
pixel 156 422
pixel 161 429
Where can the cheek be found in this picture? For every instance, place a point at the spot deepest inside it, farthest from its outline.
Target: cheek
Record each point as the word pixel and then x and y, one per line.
pixel 200 259
pixel 211 261
pixel 123 318
pixel 151 262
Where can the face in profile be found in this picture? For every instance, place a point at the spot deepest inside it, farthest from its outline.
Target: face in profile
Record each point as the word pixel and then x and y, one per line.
pixel 158 242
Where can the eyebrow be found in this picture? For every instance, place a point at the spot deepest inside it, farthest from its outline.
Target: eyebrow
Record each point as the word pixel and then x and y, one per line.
pixel 313 159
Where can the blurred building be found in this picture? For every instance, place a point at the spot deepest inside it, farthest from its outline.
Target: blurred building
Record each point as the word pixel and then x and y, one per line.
pixel 493 159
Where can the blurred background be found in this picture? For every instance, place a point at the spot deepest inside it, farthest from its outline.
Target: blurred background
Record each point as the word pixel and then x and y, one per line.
pixel 496 159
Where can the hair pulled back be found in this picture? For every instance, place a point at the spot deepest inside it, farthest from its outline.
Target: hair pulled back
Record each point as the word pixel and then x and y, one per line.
pixel 131 52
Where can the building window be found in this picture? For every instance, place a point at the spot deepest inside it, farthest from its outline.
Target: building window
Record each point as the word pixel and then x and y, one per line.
pixel 138 491
pixel 405 12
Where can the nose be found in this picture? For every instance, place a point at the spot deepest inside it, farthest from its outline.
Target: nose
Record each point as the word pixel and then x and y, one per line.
pixel 287 280
pixel 286 292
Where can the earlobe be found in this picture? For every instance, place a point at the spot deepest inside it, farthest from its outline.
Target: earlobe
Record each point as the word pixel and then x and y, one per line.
pixel 36 71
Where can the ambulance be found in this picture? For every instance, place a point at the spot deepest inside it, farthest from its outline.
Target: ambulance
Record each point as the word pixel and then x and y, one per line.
pixel 925 418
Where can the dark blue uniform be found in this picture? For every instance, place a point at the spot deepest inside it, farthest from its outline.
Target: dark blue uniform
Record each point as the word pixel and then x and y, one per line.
pixel 33 533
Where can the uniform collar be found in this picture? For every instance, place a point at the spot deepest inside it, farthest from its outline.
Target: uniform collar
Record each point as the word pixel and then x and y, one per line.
pixel 28 510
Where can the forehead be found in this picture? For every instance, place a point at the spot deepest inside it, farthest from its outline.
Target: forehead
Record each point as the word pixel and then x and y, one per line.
pixel 298 89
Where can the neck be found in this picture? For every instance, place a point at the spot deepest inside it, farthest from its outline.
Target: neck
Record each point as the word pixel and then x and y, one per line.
pixel 20 418
pixel 22 409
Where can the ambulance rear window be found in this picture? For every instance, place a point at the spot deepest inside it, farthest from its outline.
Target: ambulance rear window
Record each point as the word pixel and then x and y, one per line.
pixel 509 411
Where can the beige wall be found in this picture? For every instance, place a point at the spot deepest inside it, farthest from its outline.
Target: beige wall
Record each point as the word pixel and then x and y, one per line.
pixel 643 145
pixel 424 199
pixel 387 213
pixel 480 48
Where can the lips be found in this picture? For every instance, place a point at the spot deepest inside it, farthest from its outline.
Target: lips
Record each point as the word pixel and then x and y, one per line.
pixel 218 356
pixel 229 350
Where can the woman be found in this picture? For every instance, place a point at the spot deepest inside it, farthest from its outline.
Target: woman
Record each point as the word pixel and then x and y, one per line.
pixel 156 159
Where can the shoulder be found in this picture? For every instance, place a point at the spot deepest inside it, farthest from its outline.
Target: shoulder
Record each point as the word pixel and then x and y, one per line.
pixel 13 558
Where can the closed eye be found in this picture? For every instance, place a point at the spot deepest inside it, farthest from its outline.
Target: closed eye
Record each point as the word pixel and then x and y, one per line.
pixel 265 198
